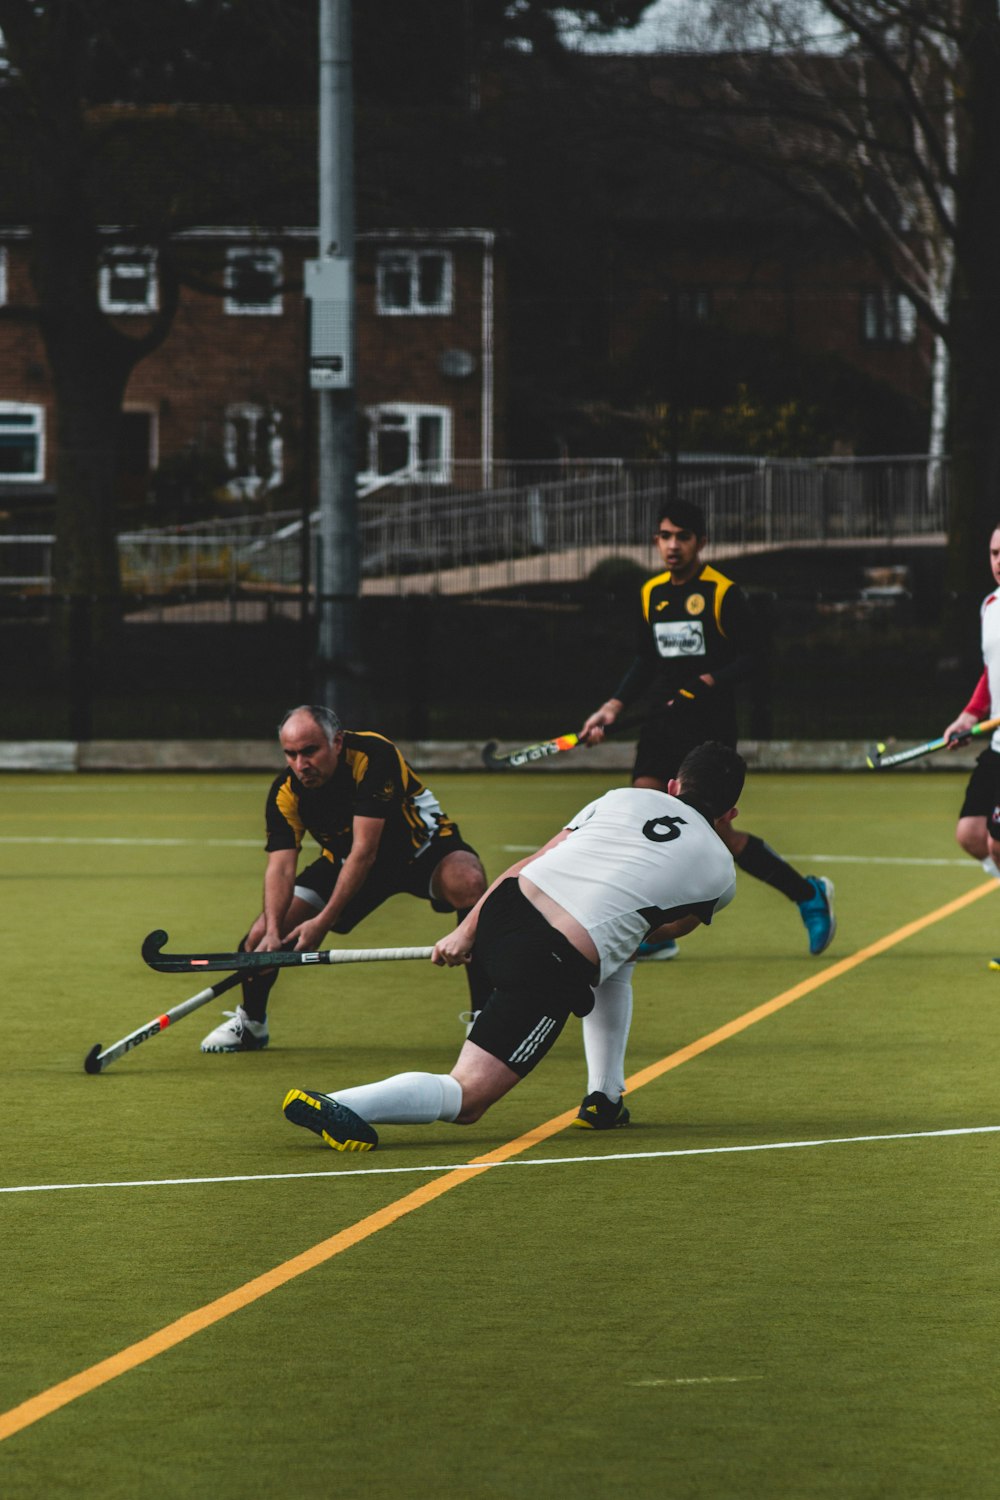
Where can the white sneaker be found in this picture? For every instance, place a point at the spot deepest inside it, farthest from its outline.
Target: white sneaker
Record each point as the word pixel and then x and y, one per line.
pixel 238 1034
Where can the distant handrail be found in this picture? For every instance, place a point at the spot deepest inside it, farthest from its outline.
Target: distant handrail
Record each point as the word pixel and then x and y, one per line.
pixel 535 522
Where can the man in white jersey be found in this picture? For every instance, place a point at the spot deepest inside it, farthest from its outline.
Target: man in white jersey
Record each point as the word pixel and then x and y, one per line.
pixel 552 933
pixel 978 828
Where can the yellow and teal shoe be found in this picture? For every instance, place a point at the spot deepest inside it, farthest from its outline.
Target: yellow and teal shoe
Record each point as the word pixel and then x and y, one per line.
pixel 334 1123
pixel 597 1112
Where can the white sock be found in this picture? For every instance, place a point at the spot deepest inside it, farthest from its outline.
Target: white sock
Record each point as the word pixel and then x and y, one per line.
pixel 405 1099
pixel 990 867
pixel 605 1034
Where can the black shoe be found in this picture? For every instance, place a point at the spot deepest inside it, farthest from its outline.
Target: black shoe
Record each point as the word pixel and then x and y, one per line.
pixel 598 1113
pixel 339 1126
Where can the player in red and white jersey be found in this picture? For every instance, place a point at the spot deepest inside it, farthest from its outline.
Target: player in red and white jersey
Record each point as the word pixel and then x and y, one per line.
pixel 978 827
pixel 555 935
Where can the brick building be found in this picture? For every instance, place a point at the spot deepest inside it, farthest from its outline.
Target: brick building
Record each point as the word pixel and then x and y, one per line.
pixel 223 404
pixel 616 272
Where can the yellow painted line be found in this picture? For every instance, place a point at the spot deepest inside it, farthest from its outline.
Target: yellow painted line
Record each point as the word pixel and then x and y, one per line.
pixel 814 982
pixel 86 1381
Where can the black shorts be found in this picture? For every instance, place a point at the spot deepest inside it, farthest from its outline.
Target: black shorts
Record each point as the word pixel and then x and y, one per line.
pixel 982 793
pixel 539 980
pixel 669 733
pixel 389 877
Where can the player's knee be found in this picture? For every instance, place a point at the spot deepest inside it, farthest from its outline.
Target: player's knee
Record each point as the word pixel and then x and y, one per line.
pixel 972 838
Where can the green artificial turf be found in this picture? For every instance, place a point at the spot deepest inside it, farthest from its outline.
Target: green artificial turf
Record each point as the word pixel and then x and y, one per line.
pixel 646 1313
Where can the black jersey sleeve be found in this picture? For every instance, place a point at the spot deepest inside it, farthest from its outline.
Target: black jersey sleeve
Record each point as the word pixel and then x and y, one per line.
pixel 740 630
pixel 643 667
pixel 282 818
pixel 638 677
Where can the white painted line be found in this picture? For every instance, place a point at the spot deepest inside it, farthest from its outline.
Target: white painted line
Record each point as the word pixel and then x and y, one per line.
pixel 206 843
pixel 538 1161
pixel 826 859
pixel 883 859
pixel 138 843
pixel 698 1380
pixel 42 786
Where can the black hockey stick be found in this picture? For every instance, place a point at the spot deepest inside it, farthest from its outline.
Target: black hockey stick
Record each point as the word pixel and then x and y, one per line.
pixel 96 1060
pixel 510 759
pixel 184 963
pixel 878 760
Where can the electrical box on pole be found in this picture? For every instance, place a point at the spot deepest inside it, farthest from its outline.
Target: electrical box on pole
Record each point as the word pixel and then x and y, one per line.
pixel 329 286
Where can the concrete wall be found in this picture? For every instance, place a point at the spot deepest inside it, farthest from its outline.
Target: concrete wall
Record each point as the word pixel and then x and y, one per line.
pixel 427 755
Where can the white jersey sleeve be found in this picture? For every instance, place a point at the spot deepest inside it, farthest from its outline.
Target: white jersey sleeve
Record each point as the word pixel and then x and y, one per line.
pixel 989 615
pixel 634 859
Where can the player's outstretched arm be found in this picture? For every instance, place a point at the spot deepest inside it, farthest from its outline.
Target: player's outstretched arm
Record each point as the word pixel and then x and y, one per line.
pixel 958 728
pixel 457 946
pixel 592 731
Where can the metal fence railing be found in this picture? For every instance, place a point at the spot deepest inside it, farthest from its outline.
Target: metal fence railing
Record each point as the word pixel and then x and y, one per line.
pixel 538 522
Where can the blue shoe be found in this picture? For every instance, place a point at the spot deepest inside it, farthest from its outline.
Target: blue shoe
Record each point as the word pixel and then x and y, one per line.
pixel 597 1112
pixel 334 1123
pixel 666 949
pixel 817 914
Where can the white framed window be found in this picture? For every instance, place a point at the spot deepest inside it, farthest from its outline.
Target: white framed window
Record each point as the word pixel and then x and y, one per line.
pixel 3 275
pixel 22 442
pixel 253 448
pixel 413 283
pixel 887 317
pixel 253 282
pixel 128 282
pixel 411 440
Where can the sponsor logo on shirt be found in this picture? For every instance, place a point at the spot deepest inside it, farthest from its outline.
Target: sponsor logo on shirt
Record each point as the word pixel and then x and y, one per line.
pixel 680 637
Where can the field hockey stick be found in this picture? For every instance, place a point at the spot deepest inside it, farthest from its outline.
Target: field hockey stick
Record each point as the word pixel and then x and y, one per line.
pixel 879 761
pixel 528 753
pixel 494 762
pixel 183 963
pixel 96 1060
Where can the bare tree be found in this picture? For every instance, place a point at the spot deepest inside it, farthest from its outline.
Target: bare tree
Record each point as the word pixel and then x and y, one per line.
pixel 75 79
pixel 885 115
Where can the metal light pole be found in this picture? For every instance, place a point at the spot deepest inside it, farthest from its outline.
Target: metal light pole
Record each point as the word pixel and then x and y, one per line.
pixel 329 284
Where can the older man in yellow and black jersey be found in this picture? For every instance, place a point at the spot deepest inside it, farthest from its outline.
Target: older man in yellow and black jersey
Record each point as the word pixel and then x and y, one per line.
pixel 696 643
pixel 380 831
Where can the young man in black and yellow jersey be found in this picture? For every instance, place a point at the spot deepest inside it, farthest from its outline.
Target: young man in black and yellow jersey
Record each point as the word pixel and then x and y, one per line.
pixel 696 644
pixel 380 832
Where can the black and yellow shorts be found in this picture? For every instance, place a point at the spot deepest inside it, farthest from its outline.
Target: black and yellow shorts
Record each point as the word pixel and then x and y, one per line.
pixel 390 876
pixel 669 733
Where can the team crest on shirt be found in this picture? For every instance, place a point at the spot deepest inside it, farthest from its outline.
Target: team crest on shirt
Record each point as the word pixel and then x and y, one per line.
pixel 695 604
